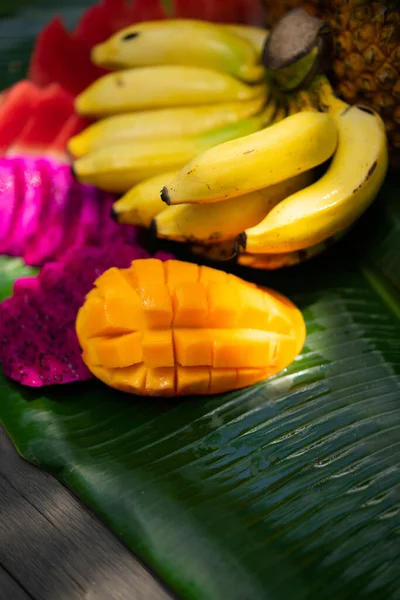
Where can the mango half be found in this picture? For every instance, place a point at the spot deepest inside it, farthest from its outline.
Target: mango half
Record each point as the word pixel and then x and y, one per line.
pixel 175 328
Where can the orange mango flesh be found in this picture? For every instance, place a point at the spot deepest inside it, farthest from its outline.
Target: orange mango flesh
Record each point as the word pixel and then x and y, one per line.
pixel 176 328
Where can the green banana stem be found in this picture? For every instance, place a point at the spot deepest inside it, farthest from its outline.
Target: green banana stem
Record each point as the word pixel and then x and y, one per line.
pixel 295 75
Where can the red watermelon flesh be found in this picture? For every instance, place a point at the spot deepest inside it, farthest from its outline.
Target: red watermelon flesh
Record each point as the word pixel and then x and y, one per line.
pixel 222 11
pixel 57 57
pixel 53 110
pixel 35 120
pixel 107 17
pixel 17 104
pixel 63 57
pixel 72 126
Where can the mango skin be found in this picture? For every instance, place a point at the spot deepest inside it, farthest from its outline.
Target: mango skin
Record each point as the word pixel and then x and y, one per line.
pixel 175 328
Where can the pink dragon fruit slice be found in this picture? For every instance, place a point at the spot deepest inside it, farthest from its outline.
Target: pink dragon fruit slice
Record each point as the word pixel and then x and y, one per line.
pixel 25 284
pixel 8 196
pixel 44 211
pixel 45 244
pixel 35 184
pixel 109 228
pixel 73 206
pixel 11 200
pixel 87 224
pixel 38 343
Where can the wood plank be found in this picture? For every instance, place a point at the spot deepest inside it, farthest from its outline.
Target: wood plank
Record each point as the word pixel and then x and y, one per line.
pixel 54 548
pixel 9 588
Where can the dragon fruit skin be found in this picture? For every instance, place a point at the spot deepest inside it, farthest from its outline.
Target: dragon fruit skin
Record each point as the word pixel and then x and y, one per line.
pixel 38 343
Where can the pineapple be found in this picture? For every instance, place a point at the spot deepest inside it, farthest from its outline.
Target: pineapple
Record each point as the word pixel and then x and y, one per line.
pixel 366 53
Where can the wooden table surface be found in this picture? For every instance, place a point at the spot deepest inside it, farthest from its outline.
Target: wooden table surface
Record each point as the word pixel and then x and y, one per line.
pixel 53 548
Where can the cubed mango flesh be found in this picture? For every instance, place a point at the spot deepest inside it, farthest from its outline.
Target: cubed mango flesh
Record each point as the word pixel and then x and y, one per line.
pixel 176 328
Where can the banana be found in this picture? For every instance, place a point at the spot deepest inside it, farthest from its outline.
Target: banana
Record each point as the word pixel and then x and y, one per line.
pixel 220 251
pixel 306 100
pixel 161 86
pixel 271 109
pixel 142 203
pixel 294 145
pixel 117 167
pixel 293 106
pixel 280 114
pixel 184 42
pixel 271 262
pixel 162 123
pixel 256 35
pixel 339 197
pixel 210 223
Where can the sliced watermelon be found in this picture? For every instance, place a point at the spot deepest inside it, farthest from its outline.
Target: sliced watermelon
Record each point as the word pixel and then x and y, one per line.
pixel 107 17
pixel 58 57
pixel 53 110
pixel 94 26
pixel 35 120
pixel 73 125
pixel 17 104
pixel 63 57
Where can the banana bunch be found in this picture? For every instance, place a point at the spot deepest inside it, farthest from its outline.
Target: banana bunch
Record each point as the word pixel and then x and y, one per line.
pixel 208 152
pixel 176 88
pixel 217 201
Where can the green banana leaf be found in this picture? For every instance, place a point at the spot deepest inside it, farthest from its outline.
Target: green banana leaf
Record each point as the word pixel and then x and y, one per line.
pixel 286 490
pixel 289 489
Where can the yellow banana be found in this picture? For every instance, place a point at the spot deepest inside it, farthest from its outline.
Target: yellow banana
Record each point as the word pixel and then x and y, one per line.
pixel 280 114
pixel 256 35
pixel 162 123
pixel 339 197
pixel 162 86
pixel 271 109
pixel 142 203
pixel 210 223
pixel 271 262
pixel 306 100
pixel 294 145
pixel 185 42
pixel 117 167
pixel 286 259
pixel 293 106
pixel 220 251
